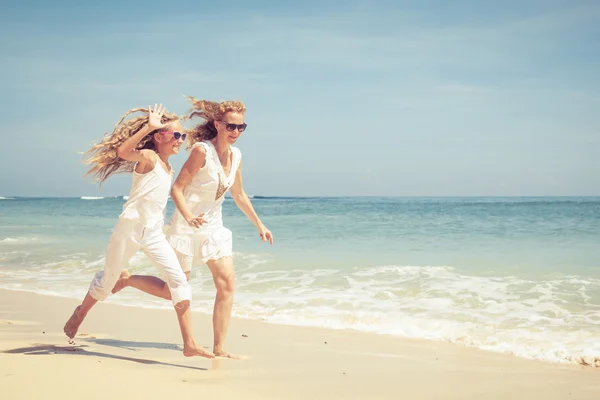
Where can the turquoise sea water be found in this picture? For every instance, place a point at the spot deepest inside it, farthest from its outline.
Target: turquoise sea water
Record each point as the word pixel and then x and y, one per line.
pixel 515 275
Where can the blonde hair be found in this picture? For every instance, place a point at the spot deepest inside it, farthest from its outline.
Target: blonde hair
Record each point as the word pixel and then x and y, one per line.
pixel 103 158
pixel 211 111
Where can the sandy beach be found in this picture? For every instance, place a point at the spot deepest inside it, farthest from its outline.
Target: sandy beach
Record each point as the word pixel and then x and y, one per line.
pixel 123 352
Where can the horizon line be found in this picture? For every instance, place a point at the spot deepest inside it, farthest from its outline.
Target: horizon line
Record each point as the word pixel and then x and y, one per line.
pixel 8 197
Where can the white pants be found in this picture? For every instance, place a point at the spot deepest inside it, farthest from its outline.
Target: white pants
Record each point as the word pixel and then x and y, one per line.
pixel 127 239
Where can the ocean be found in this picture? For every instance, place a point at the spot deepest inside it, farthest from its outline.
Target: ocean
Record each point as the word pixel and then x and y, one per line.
pixel 518 275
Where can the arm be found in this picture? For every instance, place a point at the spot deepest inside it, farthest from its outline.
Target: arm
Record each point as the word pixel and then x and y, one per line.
pixel 128 150
pixel 194 163
pixel 243 202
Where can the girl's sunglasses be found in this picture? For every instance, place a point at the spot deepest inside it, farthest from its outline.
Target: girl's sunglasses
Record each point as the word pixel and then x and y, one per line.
pixel 232 127
pixel 176 135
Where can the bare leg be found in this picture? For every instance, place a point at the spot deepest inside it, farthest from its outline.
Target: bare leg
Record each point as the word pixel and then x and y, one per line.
pixel 146 283
pixel 164 257
pixel 224 279
pixel 78 316
pixel 190 348
pixel 159 288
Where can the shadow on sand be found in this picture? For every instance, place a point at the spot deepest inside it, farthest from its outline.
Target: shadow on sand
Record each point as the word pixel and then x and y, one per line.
pixel 49 349
pixel 131 345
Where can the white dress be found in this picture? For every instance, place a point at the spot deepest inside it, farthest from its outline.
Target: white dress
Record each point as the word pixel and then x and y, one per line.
pixel 205 195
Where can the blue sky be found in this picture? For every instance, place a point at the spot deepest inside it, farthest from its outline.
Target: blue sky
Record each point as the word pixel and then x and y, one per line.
pixel 344 98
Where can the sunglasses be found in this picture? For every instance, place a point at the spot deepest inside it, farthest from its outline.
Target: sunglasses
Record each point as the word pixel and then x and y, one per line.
pixel 232 127
pixel 176 135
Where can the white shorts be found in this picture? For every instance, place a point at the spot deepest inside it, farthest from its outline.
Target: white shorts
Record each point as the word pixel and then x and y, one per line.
pixel 203 246
pixel 128 238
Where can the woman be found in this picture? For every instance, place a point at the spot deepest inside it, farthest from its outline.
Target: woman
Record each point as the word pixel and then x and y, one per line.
pixel 196 229
pixel 142 146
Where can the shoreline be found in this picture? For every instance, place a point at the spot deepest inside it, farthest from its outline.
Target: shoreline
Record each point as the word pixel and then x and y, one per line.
pixel 588 362
pixel 137 350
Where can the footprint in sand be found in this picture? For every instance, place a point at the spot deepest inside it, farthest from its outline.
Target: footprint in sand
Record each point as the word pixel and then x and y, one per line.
pixel 587 361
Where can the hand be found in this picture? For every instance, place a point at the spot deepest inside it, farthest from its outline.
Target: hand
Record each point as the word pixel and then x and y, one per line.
pixel 155 116
pixel 197 222
pixel 265 234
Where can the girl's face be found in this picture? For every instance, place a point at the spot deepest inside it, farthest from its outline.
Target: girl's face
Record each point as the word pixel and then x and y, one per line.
pixel 170 138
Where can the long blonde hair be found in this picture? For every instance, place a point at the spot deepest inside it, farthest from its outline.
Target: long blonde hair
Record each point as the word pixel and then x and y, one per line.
pixel 210 111
pixel 102 157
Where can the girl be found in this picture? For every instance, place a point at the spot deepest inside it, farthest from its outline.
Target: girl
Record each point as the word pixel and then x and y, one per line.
pixel 142 146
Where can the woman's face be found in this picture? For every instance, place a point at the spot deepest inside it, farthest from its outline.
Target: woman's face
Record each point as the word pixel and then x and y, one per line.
pixel 230 127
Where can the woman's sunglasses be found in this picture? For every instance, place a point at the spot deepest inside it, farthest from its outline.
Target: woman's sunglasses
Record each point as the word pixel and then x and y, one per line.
pixel 176 135
pixel 232 127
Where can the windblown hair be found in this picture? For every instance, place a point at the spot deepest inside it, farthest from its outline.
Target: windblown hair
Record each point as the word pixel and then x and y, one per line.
pixel 103 158
pixel 210 111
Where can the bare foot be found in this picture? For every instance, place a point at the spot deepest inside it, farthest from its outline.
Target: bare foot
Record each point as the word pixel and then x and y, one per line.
pixel 122 282
pixel 224 354
pixel 195 350
pixel 73 323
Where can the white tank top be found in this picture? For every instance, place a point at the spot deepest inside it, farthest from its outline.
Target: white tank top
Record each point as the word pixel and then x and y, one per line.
pixel 206 191
pixel 148 197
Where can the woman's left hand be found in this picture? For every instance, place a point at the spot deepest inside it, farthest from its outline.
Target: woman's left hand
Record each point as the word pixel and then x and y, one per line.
pixel 265 234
